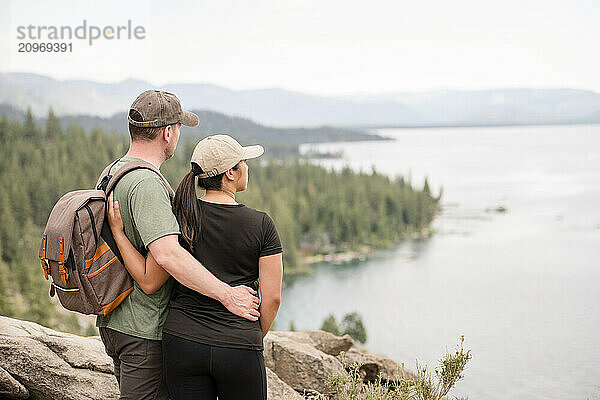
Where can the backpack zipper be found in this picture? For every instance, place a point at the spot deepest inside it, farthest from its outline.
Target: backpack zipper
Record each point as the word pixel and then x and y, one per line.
pixel 62 289
pixel 89 210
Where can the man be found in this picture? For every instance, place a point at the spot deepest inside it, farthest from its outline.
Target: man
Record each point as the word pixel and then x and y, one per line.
pixel 132 332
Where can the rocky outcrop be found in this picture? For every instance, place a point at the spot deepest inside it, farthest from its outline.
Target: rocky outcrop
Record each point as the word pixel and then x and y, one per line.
pixel 40 363
pixel 278 389
pixel 329 343
pixel 10 387
pixel 305 360
pixel 298 363
pixel 54 365
pixel 372 365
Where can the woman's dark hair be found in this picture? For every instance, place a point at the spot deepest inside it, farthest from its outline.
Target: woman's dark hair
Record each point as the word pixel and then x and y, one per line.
pixel 185 204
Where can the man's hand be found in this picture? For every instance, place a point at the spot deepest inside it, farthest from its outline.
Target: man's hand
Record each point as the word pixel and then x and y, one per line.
pixel 242 301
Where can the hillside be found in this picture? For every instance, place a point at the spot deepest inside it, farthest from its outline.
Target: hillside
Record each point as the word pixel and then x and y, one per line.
pixel 284 108
pixel 282 140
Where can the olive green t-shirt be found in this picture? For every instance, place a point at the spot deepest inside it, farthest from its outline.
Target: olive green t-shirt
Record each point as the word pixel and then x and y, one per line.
pixel 146 211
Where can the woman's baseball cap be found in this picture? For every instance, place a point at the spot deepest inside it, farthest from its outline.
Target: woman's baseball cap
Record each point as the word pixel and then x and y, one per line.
pixel 219 153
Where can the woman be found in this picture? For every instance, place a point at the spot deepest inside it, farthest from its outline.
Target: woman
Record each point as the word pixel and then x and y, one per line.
pixel 207 350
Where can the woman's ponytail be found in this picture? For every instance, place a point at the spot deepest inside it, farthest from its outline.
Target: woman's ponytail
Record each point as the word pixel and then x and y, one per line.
pixel 186 207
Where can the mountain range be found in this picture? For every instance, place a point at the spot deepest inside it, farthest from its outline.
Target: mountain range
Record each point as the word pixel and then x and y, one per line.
pixel 282 141
pixel 284 108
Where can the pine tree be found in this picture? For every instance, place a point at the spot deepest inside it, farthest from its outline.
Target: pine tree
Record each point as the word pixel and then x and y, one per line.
pixel 29 128
pixel 4 134
pixel 6 307
pixel 53 126
pixel 426 189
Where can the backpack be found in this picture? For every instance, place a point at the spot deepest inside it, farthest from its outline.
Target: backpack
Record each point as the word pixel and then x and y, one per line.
pixel 78 250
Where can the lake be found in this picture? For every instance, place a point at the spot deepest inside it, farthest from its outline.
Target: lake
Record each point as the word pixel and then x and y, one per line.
pixel 523 286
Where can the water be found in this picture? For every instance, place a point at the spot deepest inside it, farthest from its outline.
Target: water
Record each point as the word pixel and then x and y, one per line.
pixel 522 286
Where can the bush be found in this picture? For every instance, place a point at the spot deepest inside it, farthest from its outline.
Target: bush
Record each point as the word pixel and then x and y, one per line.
pixel 330 325
pixel 351 324
pixel 426 386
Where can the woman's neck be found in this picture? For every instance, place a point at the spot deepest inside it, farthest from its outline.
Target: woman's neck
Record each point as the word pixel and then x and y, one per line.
pixel 220 196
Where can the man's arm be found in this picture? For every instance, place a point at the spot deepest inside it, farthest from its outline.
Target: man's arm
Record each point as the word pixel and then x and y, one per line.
pixel 240 300
pixel 157 226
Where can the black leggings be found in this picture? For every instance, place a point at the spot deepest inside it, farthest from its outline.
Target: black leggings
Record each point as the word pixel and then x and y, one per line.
pixel 202 372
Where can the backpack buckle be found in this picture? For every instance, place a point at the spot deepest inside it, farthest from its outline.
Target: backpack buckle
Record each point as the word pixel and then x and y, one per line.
pixel 104 183
pixel 45 265
pixel 64 274
pixel 61 265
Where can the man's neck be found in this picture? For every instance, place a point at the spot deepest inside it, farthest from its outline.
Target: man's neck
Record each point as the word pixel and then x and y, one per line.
pixel 146 152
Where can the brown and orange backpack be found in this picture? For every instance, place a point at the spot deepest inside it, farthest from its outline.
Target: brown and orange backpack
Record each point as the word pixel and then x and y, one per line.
pixel 79 253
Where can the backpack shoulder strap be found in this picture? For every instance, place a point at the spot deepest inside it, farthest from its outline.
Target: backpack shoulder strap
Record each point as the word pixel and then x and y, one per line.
pixel 105 176
pixel 131 166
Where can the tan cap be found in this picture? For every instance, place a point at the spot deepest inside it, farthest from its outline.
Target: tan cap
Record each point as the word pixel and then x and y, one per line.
pixel 159 108
pixel 219 153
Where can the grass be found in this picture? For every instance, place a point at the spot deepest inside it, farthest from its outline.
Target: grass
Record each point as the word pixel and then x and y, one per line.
pixel 350 385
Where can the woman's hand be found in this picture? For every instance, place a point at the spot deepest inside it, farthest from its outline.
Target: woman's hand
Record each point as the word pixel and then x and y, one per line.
pixel 113 214
pixel 147 273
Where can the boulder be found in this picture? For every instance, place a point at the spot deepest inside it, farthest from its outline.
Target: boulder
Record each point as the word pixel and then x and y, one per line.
pixel 11 388
pixel 373 364
pixel 330 343
pixel 40 363
pixel 326 342
pixel 278 389
pixel 55 365
pixel 298 363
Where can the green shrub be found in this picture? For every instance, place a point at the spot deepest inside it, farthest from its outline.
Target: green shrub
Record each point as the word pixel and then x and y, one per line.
pixel 330 325
pixel 352 325
pixel 425 386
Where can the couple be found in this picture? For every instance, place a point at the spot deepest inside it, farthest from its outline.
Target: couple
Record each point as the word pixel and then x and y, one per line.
pixel 199 335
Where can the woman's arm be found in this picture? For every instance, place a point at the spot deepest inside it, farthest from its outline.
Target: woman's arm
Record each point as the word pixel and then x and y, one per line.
pixel 270 272
pixel 145 271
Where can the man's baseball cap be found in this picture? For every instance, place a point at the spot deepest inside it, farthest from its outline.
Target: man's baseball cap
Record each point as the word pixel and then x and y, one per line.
pixel 219 153
pixel 159 108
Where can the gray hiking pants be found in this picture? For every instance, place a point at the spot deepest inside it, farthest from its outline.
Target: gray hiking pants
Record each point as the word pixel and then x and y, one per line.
pixel 138 365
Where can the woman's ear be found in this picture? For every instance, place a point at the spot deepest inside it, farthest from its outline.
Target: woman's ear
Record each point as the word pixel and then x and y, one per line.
pixel 229 175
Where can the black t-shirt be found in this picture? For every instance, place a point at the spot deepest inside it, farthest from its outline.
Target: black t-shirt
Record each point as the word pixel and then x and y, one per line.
pixel 232 239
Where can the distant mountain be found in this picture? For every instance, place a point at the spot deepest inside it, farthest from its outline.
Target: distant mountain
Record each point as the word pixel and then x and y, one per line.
pixel 496 107
pixel 270 106
pixel 245 130
pixel 278 107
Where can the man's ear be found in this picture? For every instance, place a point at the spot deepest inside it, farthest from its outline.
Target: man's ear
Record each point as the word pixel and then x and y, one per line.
pixel 167 133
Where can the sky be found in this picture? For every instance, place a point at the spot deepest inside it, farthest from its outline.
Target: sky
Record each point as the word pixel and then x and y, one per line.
pixel 321 47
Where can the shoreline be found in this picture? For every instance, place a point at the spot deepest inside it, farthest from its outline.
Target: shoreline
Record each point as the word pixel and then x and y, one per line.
pixel 349 256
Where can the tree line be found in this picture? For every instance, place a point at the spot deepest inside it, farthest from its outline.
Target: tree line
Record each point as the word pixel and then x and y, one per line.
pixel 282 141
pixel 314 209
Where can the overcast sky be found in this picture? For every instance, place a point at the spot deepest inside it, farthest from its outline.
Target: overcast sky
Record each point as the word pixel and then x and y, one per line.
pixel 322 47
